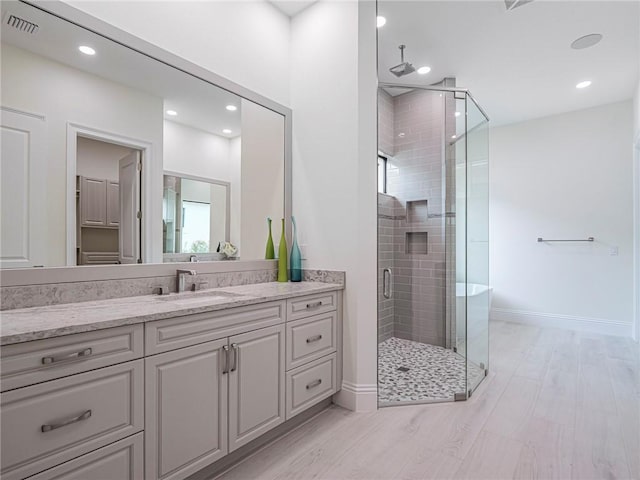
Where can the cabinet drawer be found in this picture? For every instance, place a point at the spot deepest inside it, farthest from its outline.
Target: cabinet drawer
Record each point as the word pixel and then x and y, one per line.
pixel 53 422
pixel 42 360
pixel 311 305
pixel 122 460
pixel 173 333
pixel 310 338
pixel 310 383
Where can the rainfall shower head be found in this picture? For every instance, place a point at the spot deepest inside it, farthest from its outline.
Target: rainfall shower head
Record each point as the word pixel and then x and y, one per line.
pixel 403 68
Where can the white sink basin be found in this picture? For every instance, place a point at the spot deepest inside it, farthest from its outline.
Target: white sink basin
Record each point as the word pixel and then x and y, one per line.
pixel 204 296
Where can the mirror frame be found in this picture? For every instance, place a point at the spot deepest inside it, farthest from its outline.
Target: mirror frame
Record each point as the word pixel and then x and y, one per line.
pixel 70 14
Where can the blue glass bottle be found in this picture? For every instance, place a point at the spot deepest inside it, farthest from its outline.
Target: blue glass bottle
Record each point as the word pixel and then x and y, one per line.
pixel 296 257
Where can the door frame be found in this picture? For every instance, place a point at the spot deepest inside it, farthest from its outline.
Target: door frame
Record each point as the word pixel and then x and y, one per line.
pixel 75 130
pixel 636 236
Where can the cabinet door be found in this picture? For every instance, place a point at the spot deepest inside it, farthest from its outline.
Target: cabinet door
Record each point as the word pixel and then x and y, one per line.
pixel 186 410
pixel 113 204
pixel 93 198
pixel 256 384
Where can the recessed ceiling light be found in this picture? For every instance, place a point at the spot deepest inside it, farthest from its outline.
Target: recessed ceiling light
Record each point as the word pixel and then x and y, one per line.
pixel 86 50
pixel 457 114
pixel 453 136
pixel 232 108
pixel 424 70
pixel 380 21
pixel 584 84
pixel 586 41
pixel 226 130
pixel 172 113
pixel 401 135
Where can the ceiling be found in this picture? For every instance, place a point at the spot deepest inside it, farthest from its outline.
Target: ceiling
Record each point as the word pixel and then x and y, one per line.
pixel 199 104
pixel 518 64
pixel 291 7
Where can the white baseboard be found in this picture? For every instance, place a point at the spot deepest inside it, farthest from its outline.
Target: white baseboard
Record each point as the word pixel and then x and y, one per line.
pixel 357 397
pixel 567 322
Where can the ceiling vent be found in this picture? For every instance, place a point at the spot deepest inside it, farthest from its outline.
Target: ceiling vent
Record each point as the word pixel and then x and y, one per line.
pixel 511 4
pixel 21 24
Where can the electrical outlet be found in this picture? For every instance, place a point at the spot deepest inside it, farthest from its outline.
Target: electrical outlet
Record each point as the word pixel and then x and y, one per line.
pixel 613 251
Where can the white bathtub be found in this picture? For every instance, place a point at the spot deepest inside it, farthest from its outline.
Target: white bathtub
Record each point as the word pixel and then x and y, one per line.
pixel 474 289
pixel 478 303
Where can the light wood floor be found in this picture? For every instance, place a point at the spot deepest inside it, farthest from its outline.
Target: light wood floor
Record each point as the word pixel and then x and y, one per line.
pixel 556 405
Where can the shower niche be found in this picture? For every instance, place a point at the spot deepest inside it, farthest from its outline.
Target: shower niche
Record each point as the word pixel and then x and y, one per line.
pixel 432 237
pixel 416 243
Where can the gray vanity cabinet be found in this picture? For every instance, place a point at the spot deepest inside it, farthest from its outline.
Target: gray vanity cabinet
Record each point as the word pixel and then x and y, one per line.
pixel 204 400
pixel 256 384
pixel 185 410
pixel 99 203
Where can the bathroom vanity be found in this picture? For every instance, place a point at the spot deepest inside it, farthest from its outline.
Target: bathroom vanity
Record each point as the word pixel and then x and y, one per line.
pixel 162 386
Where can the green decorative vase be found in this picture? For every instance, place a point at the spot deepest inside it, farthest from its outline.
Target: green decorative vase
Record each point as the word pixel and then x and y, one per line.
pixel 270 253
pixel 282 257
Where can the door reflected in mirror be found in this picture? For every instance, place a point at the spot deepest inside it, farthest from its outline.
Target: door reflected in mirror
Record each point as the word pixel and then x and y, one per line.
pixel 195 215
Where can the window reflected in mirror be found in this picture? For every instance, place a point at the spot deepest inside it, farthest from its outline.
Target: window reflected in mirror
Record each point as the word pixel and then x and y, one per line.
pixel 195 215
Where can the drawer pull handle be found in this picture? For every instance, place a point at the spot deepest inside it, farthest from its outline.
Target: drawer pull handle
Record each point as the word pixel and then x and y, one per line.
pixel 64 423
pixel 313 384
pixel 315 338
pixel 314 304
pixel 71 356
pixel 225 359
pixel 234 347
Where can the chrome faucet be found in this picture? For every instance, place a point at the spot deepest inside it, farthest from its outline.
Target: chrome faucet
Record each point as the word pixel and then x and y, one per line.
pixel 180 278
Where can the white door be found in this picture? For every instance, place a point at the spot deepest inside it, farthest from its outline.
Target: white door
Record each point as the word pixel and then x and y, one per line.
pixel 129 231
pixel 23 171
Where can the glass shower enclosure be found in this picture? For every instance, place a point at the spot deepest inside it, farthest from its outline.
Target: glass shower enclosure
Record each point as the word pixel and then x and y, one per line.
pixel 433 244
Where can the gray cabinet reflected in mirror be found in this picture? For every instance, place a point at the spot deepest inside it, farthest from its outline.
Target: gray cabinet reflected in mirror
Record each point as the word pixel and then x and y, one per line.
pixel 88 135
pixel 195 218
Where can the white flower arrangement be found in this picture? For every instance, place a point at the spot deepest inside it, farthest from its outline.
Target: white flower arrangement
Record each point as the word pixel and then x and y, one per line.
pixel 229 250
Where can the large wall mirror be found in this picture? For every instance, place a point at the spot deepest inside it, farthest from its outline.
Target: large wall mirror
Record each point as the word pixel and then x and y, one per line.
pixel 111 156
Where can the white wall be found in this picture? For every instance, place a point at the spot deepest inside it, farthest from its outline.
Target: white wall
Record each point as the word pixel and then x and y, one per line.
pixel 35 84
pixel 333 96
pixel 262 177
pixel 235 154
pixel 97 159
pixel 565 176
pixel 195 152
pixel 246 42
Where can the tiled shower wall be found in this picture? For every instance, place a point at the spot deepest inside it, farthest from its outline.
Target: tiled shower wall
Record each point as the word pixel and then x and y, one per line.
pixel 416 188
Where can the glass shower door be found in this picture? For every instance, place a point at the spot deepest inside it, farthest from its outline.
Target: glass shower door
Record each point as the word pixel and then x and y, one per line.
pixel 476 219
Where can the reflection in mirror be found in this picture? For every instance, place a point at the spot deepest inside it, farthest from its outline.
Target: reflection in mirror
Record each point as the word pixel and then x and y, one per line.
pixel 195 216
pixel 86 139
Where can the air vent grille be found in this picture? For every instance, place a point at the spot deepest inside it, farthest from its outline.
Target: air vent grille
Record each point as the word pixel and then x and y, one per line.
pixel 22 24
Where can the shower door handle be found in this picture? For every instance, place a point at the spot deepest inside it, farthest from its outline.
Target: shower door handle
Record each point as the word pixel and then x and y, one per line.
pixel 387 283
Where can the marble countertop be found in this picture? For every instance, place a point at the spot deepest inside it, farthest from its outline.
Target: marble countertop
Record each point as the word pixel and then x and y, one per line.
pixel 26 324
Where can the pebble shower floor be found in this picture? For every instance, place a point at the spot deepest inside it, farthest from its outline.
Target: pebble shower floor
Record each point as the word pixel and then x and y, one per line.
pixel 413 372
